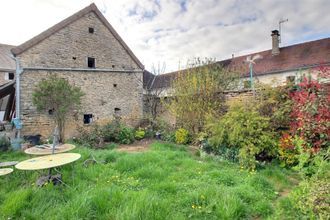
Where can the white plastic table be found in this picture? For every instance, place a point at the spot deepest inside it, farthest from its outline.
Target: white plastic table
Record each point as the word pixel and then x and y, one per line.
pixel 46 149
pixel 48 162
pixel 5 171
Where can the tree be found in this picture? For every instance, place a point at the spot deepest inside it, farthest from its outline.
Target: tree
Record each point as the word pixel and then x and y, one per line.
pixel 198 92
pixel 56 94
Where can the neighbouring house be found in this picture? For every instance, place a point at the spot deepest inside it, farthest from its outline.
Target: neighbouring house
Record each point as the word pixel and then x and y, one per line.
pixel 7 82
pixel 276 67
pixel 87 51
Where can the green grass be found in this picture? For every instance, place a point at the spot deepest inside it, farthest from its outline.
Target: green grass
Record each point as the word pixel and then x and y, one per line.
pixel 166 182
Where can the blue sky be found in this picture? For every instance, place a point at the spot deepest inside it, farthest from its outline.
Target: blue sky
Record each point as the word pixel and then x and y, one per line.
pixel 175 31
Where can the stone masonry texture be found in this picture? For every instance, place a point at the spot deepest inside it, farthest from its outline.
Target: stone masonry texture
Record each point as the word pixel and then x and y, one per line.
pixel 69 48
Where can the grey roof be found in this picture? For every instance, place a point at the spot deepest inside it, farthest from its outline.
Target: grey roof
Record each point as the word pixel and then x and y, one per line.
pixel 6 62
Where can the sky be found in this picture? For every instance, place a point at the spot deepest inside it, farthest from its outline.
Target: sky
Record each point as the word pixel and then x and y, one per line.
pixel 169 33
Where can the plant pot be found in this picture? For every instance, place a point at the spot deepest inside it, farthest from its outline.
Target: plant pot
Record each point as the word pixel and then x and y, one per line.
pixel 16 143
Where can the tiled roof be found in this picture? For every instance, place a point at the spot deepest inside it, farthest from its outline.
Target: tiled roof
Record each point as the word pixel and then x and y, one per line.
pixel 6 62
pixel 292 57
pixel 91 8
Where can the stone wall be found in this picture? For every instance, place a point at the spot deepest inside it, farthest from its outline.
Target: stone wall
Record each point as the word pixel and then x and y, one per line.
pixel 70 47
pixel 114 83
pixel 100 100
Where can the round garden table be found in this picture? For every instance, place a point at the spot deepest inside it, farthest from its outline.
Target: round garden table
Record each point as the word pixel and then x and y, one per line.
pixel 46 149
pixel 48 162
pixel 5 171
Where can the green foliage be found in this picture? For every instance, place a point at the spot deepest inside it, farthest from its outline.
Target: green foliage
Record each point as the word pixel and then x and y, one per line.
pixel 4 143
pixel 288 150
pixel 312 198
pixel 274 103
pixel 182 136
pixel 96 135
pixel 166 182
pixel 91 136
pixel 244 129
pixel 126 135
pixel 14 203
pixel 58 95
pixel 168 136
pixel 139 134
pixel 198 93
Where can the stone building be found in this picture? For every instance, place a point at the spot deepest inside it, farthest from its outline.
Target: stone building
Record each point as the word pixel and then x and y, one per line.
pixel 277 66
pixel 87 51
pixel 7 64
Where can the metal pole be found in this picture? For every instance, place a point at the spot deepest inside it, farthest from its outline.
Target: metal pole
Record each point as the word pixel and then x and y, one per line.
pixel 17 119
pixel 251 76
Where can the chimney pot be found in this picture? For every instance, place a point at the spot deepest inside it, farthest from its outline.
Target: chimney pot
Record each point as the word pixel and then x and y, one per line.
pixel 275 42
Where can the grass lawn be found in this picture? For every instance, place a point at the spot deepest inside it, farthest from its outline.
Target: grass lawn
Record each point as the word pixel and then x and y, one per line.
pixel 166 182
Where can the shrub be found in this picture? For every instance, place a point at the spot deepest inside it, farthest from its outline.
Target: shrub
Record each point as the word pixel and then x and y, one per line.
pixel 91 136
pixel 181 136
pixel 126 135
pixel 244 129
pixel 139 134
pixel 168 136
pixel 288 150
pixel 311 113
pixel 312 198
pixel 111 131
pixel 4 143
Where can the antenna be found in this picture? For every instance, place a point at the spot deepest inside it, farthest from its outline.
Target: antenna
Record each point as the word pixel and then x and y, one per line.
pixel 279 28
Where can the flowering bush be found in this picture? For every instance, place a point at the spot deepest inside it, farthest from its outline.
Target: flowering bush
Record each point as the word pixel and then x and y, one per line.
pixel 181 136
pixel 288 149
pixel 311 113
pixel 139 134
pixel 243 129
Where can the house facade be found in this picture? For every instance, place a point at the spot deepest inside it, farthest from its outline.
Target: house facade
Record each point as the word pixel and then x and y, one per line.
pixel 276 66
pixel 88 52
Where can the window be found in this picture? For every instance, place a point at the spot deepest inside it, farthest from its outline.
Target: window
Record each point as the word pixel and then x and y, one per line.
pixel 91 62
pixel 51 111
pixel 114 85
pixel 11 76
pixel 117 112
pixel 88 118
pixel 91 30
pixel 290 79
pixel 74 58
pixel 113 66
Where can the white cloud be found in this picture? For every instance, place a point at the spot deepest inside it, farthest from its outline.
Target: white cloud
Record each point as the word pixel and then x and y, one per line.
pixel 173 31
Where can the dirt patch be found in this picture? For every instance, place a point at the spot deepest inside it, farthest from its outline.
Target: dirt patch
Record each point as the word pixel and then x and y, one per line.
pixel 137 146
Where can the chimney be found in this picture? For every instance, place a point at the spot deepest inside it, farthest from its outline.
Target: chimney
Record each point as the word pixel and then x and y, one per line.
pixel 275 42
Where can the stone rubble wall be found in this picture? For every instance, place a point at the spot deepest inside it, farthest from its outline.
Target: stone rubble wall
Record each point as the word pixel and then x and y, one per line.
pixel 69 48
pixel 100 99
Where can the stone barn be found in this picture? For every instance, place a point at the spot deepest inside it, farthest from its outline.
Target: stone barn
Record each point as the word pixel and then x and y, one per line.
pixel 87 51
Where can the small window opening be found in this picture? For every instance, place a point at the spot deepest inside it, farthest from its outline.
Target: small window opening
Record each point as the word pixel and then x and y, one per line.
pixel 51 111
pixel 91 30
pixel 74 58
pixel 115 85
pixel 11 76
pixel 88 118
pixel 113 66
pixel 91 62
pixel 117 112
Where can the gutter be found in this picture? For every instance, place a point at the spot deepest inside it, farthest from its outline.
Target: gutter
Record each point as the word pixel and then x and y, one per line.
pixel 82 69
